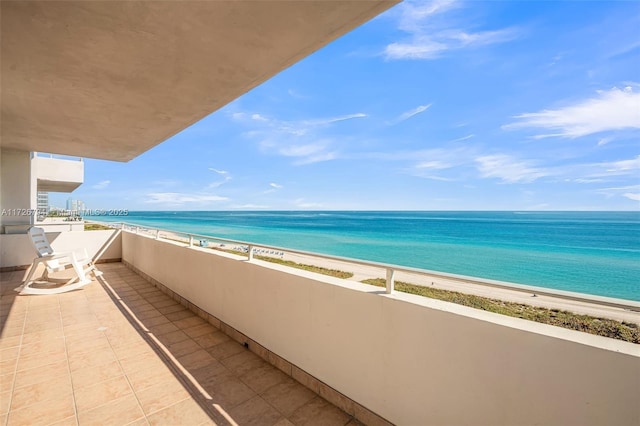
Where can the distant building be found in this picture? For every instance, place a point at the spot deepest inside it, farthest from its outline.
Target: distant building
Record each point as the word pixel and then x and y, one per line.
pixel 43 203
pixel 75 205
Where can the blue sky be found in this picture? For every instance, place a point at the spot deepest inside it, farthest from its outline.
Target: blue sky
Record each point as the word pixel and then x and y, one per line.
pixel 445 105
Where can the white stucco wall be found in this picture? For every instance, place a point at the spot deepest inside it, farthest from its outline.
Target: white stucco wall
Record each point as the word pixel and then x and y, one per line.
pixel 16 250
pixel 412 360
pixel 17 188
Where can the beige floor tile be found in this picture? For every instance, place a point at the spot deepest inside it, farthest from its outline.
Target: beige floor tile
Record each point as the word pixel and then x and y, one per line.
pixel 161 395
pixel 210 372
pixel 69 421
pixel 10 341
pixel 195 360
pixel 38 336
pixel 82 328
pixel 189 322
pixel 176 307
pixel 5 401
pixel 94 360
pixel 6 382
pixel 262 378
pixel 179 315
pixel 41 392
pixel 255 412
pixel 171 338
pixel 288 396
pixel 8 366
pixel 84 346
pixel 211 339
pixel 146 315
pixel 43 347
pixel 186 412
pixel 118 412
pixel 243 362
pixel 164 328
pixel 94 395
pixel 226 349
pixel 42 414
pixel 155 321
pixel 127 350
pixel 41 374
pixel 228 391
pixel 35 360
pixel 90 375
pixel 319 412
pixel 9 353
pixel 13 331
pixel 199 330
pixel 143 379
pixel 141 362
pixel 184 348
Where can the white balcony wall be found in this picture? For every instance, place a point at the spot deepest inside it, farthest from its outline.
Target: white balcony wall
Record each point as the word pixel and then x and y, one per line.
pixel 412 360
pixel 57 174
pixel 16 250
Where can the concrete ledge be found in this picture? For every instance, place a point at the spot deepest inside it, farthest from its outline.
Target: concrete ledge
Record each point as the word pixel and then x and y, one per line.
pixel 320 388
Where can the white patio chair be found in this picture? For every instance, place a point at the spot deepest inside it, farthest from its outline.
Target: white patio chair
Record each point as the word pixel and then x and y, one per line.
pixel 82 266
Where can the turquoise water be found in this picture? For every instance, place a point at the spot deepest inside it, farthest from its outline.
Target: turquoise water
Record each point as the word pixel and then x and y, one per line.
pixel 587 252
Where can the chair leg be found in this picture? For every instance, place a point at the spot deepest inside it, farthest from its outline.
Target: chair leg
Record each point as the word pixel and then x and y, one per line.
pixel 29 279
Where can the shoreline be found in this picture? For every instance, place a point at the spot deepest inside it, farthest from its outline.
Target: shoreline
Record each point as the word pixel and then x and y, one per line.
pixel 524 296
pixel 362 272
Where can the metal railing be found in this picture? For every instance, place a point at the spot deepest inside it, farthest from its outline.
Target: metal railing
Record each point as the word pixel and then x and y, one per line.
pixel 249 248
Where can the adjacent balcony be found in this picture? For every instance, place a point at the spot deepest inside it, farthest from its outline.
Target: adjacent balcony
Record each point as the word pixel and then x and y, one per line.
pixel 56 174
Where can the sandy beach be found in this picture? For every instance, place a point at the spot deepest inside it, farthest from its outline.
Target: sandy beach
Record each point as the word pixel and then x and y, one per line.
pixel 363 272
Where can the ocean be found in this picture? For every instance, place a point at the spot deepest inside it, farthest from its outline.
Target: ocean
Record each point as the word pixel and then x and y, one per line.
pixel 587 252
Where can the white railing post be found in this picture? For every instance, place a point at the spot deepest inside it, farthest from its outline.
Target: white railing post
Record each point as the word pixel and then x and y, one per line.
pixel 190 240
pixel 250 253
pixel 390 280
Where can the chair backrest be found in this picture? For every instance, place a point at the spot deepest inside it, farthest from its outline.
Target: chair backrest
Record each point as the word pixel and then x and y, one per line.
pixel 39 241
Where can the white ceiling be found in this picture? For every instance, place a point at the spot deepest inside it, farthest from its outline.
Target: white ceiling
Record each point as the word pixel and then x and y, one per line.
pixel 111 80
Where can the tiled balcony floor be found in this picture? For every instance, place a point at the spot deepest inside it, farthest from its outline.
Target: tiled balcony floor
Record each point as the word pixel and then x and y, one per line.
pixel 119 351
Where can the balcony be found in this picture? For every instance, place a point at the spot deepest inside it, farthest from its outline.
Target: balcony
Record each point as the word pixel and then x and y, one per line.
pixel 219 338
pixel 121 351
pixel 57 174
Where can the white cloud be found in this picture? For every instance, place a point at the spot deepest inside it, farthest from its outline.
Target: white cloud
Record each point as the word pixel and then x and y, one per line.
pixel 615 109
pixel 430 37
pixel 219 183
pixel 300 139
pixel 509 169
pixel 177 198
pixel 623 166
pixel 437 165
pixel 258 117
pixel 220 172
pixel 631 192
pixel 406 115
pixel 101 185
pixel 274 187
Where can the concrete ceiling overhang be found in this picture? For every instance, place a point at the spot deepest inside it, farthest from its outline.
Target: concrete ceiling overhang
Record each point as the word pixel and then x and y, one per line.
pixel 111 80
